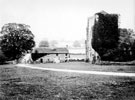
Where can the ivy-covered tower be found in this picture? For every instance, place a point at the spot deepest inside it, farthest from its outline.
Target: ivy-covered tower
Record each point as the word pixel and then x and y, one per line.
pixel 102 36
pixel 105 34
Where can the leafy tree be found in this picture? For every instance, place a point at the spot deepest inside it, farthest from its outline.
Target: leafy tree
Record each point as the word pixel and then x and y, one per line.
pixel 76 44
pixel 125 51
pixel 16 40
pixel 7 28
pixel 44 43
pixel 126 45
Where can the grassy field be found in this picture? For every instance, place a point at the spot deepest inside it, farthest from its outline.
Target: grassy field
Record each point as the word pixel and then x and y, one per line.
pixel 89 67
pixel 30 84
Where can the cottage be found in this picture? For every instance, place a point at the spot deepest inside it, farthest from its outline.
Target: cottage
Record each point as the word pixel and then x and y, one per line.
pixel 45 54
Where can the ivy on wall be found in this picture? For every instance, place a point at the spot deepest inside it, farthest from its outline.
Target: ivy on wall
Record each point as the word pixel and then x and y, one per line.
pixel 105 34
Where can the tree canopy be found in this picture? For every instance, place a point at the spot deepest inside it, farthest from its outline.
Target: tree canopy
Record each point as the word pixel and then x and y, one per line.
pixel 16 40
pixel 44 43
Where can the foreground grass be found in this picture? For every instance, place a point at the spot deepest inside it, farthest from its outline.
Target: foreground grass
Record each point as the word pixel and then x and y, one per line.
pixel 29 84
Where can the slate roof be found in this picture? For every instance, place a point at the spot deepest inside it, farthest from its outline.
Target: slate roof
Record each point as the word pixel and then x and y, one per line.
pixel 50 50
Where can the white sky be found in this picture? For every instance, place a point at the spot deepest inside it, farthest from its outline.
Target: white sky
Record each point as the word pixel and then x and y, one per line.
pixel 62 19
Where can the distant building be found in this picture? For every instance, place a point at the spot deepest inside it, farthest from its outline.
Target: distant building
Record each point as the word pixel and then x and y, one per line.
pixel 77 53
pixel 50 54
pixel 76 50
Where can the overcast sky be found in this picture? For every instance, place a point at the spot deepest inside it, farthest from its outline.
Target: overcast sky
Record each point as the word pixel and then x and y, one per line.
pixel 62 19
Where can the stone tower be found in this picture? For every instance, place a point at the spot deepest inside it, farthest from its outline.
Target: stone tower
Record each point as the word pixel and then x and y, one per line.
pixel 91 54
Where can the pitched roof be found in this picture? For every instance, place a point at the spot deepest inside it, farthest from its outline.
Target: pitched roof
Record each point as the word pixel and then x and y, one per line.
pixel 50 50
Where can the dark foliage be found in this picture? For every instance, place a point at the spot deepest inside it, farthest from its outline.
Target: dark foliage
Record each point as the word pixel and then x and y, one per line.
pixel 126 46
pixel 16 41
pixel 105 34
pixel 112 43
pixel 2 57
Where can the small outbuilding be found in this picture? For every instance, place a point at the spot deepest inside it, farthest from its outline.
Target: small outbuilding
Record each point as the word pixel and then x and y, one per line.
pixel 45 54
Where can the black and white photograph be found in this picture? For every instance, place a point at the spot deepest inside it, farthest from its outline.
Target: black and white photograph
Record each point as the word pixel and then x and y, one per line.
pixel 67 49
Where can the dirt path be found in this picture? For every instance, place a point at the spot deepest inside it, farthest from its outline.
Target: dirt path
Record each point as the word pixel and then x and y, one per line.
pixel 79 71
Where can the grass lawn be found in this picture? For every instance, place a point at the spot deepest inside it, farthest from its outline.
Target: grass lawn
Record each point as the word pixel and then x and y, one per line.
pixel 30 84
pixel 89 67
